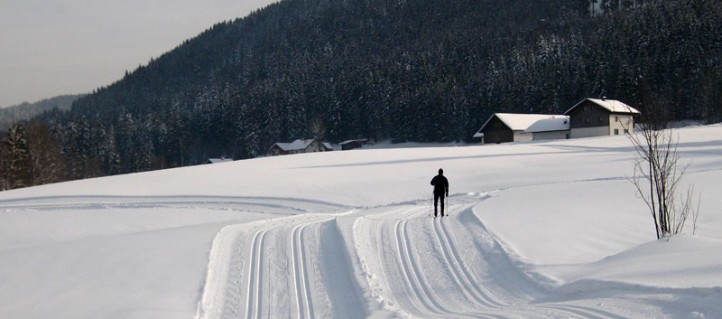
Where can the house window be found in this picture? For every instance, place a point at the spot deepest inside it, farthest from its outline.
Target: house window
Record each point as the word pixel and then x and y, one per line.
pixel 616 131
pixel 616 118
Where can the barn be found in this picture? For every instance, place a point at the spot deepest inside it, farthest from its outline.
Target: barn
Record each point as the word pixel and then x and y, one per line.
pixel 299 146
pixel 509 127
pixel 600 117
pixel 353 144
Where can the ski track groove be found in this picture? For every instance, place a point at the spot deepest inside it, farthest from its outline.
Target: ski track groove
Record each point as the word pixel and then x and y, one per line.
pixel 582 312
pixel 255 274
pixel 412 273
pixel 304 301
pixel 410 269
pixel 302 290
pixel 463 278
pixel 299 274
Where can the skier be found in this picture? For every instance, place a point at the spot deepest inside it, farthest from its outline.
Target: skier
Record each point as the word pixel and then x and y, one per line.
pixel 441 188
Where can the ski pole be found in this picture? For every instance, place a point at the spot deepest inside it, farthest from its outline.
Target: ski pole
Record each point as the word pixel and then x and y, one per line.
pixel 446 206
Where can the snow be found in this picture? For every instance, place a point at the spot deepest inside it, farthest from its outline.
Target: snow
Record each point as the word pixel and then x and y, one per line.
pixel 530 123
pixel 549 124
pixel 536 230
pixel 295 145
pixel 613 106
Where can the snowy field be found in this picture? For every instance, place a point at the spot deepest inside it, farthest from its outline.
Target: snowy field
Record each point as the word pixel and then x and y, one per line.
pixel 536 230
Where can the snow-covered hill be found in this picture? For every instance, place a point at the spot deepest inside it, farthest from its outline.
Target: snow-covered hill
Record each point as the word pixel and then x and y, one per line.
pixel 537 230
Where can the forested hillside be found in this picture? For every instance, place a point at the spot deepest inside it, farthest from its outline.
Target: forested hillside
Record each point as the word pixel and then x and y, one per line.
pixel 407 70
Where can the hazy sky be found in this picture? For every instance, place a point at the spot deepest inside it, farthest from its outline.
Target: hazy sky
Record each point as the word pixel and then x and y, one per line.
pixel 55 47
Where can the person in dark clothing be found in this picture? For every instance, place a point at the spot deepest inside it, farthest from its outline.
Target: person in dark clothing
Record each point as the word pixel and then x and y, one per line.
pixel 441 189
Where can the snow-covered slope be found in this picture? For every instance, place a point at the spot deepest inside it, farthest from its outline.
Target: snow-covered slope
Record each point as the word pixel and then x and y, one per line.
pixel 536 230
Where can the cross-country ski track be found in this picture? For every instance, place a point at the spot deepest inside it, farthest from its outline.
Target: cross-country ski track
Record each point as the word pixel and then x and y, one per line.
pixel 414 265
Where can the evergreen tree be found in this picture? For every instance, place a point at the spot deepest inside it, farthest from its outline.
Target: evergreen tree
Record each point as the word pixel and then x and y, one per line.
pixel 19 168
pixel 412 70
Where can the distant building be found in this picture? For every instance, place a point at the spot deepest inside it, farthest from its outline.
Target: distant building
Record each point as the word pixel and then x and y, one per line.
pixel 508 127
pixel 299 146
pixel 590 117
pixel 600 117
pixel 352 144
pixel 218 160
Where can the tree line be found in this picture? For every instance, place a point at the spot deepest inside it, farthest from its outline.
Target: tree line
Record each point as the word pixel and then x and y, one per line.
pixel 408 70
pixel 25 111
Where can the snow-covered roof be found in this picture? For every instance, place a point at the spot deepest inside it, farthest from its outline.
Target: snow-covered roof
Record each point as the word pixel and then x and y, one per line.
pixel 530 123
pixel 613 106
pixel 362 140
pixel 553 123
pixel 296 145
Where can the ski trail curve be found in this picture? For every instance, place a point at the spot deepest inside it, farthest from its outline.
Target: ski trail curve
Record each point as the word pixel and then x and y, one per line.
pixel 463 278
pixel 490 305
pixel 526 304
pixel 413 267
pixel 399 262
pixel 451 267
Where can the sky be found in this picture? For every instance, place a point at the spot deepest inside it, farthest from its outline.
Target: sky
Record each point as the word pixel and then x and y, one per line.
pixel 56 47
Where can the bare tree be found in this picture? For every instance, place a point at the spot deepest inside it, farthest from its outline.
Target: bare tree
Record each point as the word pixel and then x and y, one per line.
pixel 47 161
pixel 657 177
pixel 317 127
